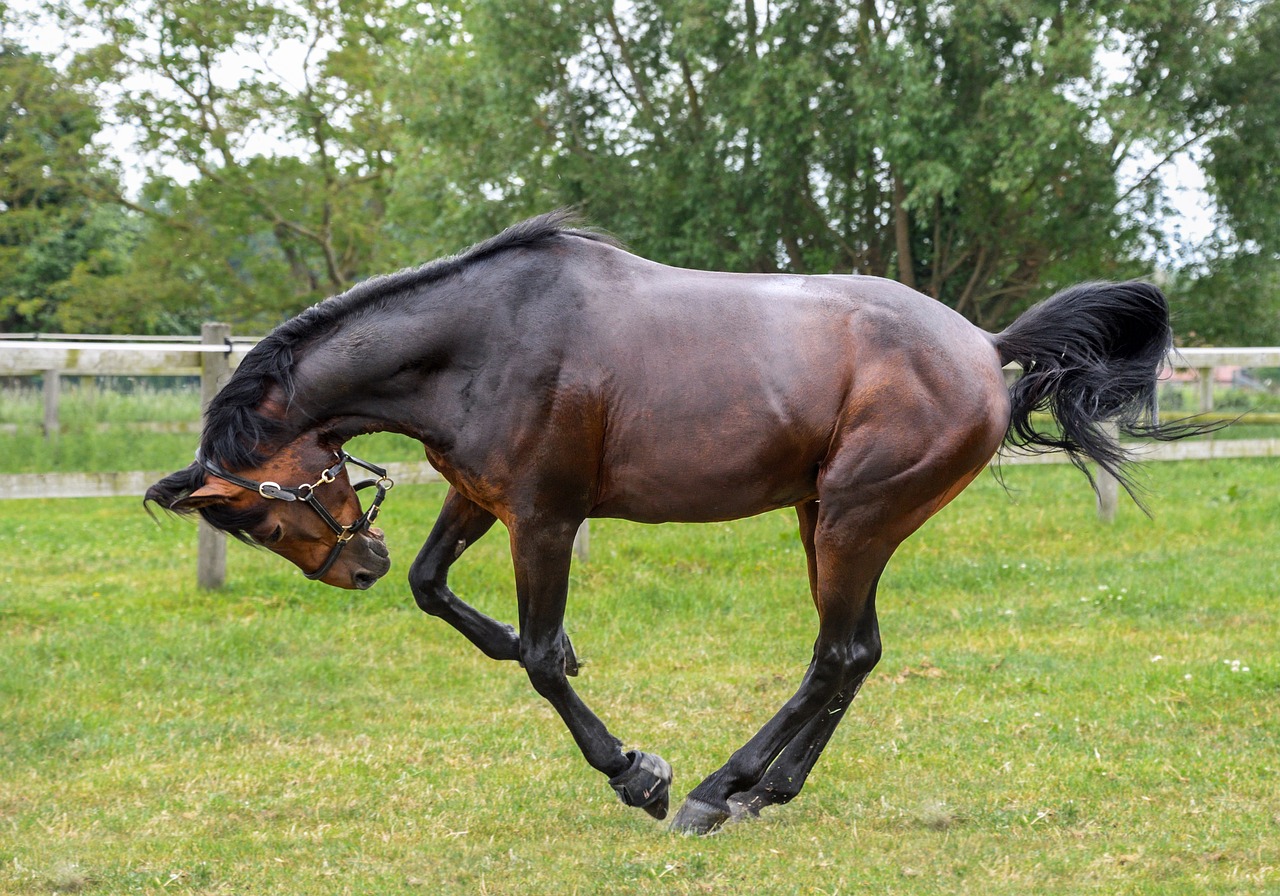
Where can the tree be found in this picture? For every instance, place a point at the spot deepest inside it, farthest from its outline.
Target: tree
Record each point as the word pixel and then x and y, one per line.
pixel 972 150
pixel 268 177
pixel 53 238
pixel 1233 294
pixel 985 153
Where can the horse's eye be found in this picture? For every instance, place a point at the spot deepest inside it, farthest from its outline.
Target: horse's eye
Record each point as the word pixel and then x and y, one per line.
pixel 276 535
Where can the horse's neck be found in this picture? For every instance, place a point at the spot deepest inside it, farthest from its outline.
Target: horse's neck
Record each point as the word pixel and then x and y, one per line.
pixel 384 372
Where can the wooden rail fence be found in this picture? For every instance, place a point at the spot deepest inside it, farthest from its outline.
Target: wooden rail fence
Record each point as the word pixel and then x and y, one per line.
pixel 217 353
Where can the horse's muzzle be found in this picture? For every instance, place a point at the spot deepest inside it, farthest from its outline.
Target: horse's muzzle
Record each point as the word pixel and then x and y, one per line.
pixel 373 562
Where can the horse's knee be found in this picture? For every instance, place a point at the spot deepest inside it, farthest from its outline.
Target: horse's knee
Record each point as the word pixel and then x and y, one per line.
pixel 430 602
pixel 543 662
pixel 429 590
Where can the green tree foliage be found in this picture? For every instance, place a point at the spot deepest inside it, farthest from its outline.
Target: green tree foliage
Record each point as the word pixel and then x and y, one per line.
pixel 1243 95
pixel 973 150
pixel 1233 295
pixel 53 238
pixel 268 137
pixel 983 152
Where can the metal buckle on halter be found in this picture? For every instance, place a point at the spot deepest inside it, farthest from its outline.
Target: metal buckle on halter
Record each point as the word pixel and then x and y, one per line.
pixel 275 491
pixel 330 474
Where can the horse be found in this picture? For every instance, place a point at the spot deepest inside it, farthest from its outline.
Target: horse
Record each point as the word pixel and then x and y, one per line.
pixel 552 376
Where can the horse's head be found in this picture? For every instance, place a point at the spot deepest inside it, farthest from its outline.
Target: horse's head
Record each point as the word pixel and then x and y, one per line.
pixel 299 503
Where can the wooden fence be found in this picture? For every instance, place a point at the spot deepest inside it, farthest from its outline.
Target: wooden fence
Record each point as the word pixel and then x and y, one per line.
pixel 216 354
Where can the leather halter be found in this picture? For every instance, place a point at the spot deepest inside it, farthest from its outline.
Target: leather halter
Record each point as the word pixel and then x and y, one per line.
pixel 306 493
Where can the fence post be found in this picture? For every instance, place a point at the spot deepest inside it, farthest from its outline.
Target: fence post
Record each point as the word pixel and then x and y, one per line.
pixel 1107 485
pixel 1108 496
pixel 1206 389
pixel 52 395
pixel 582 541
pixel 211 556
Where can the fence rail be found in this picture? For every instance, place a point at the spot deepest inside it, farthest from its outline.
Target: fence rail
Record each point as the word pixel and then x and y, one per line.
pixel 135 483
pixel 20 358
pixel 177 356
pixel 217 353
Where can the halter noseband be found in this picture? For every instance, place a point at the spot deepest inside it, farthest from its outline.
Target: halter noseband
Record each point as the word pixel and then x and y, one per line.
pixel 306 493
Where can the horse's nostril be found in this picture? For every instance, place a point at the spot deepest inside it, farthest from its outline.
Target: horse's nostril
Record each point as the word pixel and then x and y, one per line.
pixel 364 580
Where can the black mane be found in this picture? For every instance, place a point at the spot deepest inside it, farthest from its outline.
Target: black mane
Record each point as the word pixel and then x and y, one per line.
pixel 238 436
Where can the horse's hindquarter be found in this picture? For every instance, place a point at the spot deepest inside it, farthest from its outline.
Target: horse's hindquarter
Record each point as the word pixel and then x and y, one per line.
pixel 928 411
pixel 726 395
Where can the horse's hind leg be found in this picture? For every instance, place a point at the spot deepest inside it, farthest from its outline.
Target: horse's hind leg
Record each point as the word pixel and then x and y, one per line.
pixel 787 774
pixel 461 523
pixel 848 564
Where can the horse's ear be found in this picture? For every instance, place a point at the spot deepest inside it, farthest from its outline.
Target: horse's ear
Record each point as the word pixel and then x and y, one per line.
pixel 215 491
pixel 187 490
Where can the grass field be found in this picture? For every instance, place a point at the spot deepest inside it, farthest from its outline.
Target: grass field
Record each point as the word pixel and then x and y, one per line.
pixel 1063 707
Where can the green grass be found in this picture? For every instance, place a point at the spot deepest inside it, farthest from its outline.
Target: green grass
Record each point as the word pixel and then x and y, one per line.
pixel 101 428
pixel 1063 707
pixel 111 428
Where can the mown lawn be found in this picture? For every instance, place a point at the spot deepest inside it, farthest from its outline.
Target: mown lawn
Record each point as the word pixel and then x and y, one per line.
pixel 1063 707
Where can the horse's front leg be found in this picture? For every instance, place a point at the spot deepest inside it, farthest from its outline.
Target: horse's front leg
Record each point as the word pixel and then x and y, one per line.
pixel 461 523
pixel 541 554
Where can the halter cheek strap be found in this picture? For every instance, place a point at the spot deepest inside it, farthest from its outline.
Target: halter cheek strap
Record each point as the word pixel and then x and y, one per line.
pixel 306 493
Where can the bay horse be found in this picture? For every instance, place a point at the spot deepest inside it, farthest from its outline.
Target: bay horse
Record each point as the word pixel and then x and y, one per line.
pixel 551 376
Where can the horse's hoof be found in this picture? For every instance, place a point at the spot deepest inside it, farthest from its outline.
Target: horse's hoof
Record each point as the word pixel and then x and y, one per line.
pixel 697 817
pixel 646 784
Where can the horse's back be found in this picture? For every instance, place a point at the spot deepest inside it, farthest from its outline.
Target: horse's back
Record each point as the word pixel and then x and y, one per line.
pixel 726 394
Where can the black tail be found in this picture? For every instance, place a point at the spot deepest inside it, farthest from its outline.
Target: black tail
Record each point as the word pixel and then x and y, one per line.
pixel 1090 355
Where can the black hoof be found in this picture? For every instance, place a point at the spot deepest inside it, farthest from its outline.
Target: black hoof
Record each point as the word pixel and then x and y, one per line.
pixel 646 784
pixel 697 817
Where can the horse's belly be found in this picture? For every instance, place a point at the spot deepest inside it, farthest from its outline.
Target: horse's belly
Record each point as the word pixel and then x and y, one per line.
pixel 706 480
pixel 697 507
